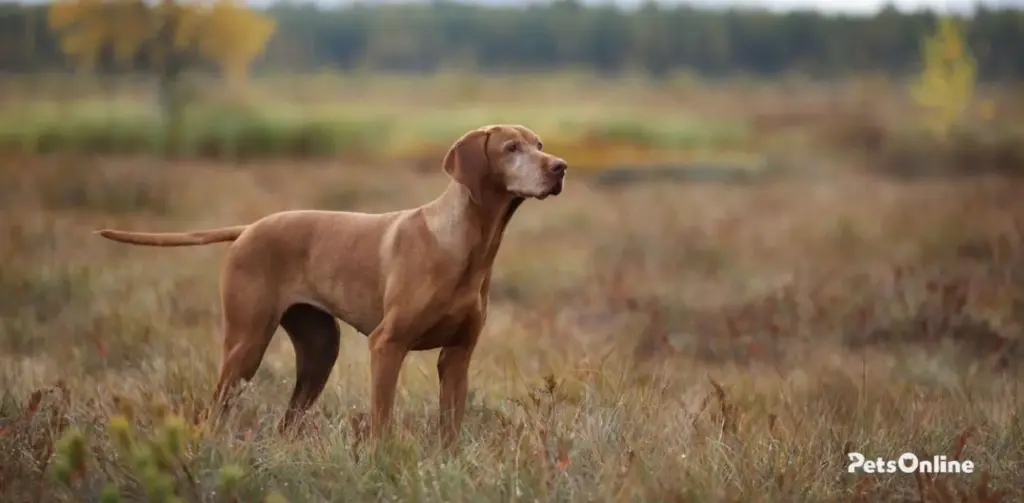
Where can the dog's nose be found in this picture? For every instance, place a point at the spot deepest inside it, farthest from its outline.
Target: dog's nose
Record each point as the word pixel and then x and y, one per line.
pixel 559 167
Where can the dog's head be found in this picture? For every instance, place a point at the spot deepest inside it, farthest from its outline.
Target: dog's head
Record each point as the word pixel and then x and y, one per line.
pixel 505 159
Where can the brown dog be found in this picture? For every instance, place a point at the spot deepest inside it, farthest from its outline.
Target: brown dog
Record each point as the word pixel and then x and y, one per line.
pixel 413 280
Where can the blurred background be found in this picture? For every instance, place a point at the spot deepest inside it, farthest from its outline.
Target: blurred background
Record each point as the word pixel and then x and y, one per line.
pixel 227 80
pixel 804 199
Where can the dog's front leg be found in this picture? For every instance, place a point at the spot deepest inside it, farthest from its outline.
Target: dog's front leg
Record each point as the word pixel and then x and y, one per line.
pixel 453 374
pixel 386 358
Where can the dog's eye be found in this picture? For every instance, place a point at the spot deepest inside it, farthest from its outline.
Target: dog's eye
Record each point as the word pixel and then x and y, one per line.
pixel 540 146
pixel 512 146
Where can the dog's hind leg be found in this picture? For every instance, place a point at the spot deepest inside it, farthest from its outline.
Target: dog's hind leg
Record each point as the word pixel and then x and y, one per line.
pixel 250 319
pixel 316 336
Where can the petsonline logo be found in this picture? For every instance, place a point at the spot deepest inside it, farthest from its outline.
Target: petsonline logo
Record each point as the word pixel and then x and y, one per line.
pixel 908 462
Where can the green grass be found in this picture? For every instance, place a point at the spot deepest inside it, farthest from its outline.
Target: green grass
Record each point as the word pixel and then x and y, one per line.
pixel 600 122
pixel 212 132
pixel 333 115
pixel 256 131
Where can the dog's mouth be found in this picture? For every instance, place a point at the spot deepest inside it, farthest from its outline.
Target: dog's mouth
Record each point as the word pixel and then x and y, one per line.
pixel 555 189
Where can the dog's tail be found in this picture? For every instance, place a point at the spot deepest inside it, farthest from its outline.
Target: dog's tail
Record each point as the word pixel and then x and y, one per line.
pixel 195 238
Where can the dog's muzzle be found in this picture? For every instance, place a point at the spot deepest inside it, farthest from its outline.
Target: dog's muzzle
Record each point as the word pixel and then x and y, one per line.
pixel 557 188
pixel 558 168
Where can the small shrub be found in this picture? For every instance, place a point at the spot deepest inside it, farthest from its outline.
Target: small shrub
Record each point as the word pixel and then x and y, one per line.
pixel 946 84
pixel 159 463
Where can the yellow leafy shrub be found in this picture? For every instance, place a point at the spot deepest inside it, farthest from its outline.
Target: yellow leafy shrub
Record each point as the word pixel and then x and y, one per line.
pixel 946 84
pixel 224 31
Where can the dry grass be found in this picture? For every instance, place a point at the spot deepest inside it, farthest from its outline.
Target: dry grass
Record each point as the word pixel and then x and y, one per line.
pixel 646 342
pixel 653 343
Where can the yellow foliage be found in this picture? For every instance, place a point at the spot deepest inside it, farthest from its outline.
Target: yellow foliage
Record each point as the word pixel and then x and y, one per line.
pixel 129 25
pixel 190 20
pixel 225 31
pixel 87 26
pixel 64 13
pixel 946 84
pixel 238 37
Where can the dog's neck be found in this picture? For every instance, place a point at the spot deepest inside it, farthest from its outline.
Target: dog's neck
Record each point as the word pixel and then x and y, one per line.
pixel 477 226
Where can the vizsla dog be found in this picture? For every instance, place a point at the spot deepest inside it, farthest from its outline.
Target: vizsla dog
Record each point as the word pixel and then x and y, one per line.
pixel 413 280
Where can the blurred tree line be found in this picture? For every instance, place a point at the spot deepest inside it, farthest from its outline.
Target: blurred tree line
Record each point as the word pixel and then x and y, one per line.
pixel 653 38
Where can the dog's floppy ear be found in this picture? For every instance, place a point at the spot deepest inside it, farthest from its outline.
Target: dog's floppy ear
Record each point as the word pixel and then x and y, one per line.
pixel 467 161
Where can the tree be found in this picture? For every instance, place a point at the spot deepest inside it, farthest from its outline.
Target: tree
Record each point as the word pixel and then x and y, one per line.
pixel 170 36
pixel 946 84
pixel 223 31
pixel 232 35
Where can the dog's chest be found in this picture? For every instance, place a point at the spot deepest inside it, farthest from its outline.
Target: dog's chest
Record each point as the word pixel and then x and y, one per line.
pixel 445 331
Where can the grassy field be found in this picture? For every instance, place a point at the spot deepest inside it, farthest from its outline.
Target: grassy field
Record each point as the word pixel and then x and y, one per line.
pixel 651 341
